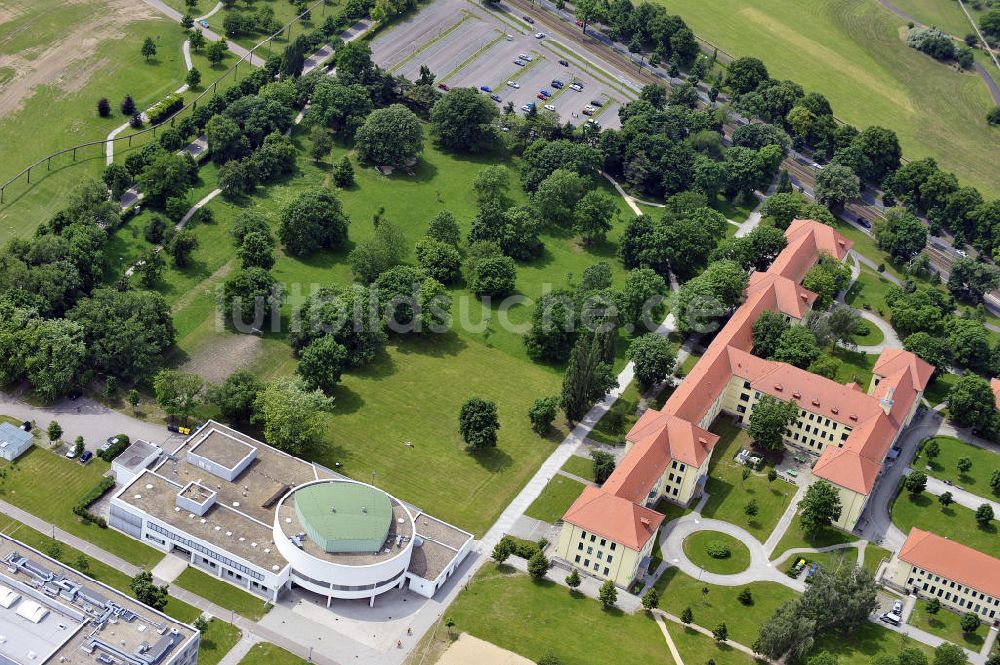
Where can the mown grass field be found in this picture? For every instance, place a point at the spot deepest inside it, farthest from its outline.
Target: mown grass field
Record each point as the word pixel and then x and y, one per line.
pixel 555 499
pixel 695 647
pixel 222 593
pixel 696 547
pixel 853 52
pixel 80 52
pixel 943 14
pixel 265 653
pixel 945 465
pixel 946 624
pixel 580 466
pixel 955 522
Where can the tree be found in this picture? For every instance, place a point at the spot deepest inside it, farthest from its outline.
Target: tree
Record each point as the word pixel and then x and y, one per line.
pixel 557 196
pixel 501 551
pixel 103 107
pixel 146 592
pixel 650 599
pixel 687 616
pixel 995 482
pixel 322 142
pixel 193 78
pixel 984 515
pixel 820 507
pixel 197 39
pixel 354 62
pixel 653 359
pixel 934 350
pixel 836 185
pixel 900 233
pixel 54 431
pixel 949 654
pixel 180 247
pixel 133 400
pixel 933 605
pixel 343 173
pixel 543 411
pixel 588 377
pixel 444 228
pixel 291 415
pixel 200 624
pixel 751 508
pixel 439 260
pixel 256 251
pixel 769 420
pixel 946 500
pixel 117 178
pixel 915 482
pixel 538 565
pixel 797 346
pixel 881 148
pixel 235 396
pixel 494 276
pixel 573 580
pixel 315 220
pixel 640 300
pixel 178 393
pixel 390 136
pixel 465 121
pixel 721 632
pixel 608 594
pixel 604 465
pixel 970 280
pixel 593 216
pixel 964 464
pixel 321 364
pixel 971 402
pixel 478 423
pixel 249 295
pixel 128 106
pixel 216 51
pixel 591 10
pixel 767 330
pixel 745 75
pixel 148 49
pixel 745 596
pixel 970 622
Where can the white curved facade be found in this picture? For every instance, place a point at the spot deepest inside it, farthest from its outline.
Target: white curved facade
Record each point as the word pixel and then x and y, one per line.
pixel 326 576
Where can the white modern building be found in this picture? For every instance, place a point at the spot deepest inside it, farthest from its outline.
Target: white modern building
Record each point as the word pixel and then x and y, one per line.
pixel 14 441
pixel 266 521
pixel 50 613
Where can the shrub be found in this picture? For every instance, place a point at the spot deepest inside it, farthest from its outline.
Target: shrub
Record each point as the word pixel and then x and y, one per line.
pixel 717 549
pixel 165 108
pixel 95 493
pixel 113 451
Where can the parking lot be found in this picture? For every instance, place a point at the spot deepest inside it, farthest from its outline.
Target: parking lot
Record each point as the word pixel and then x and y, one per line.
pixel 465 45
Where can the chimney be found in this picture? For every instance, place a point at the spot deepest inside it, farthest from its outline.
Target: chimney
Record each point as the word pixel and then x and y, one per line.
pixel 887 401
pixel 644 521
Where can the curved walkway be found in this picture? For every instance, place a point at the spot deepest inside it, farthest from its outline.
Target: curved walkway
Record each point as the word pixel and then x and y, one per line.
pixel 890 338
pixel 216 8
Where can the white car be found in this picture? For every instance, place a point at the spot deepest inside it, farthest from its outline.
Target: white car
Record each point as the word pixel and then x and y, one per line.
pixel 576 86
pixel 525 57
pixel 961 252
pixel 513 84
pixel 539 35
pixel 549 107
pixel 71 453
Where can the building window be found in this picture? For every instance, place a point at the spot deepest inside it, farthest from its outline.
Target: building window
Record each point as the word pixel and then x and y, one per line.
pixel 746 384
pixel 600 555
pixel 579 546
pixel 745 397
pixel 586 563
pixel 590 550
pixel 606 571
pixel 609 558
pixel 612 548
pixel 740 408
pixel 597 566
pixel 593 538
pixel 673 465
pixel 583 534
pixel 577 559
pixel 603 542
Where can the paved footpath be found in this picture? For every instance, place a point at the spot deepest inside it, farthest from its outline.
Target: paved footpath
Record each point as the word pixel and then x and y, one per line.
pixel 962 497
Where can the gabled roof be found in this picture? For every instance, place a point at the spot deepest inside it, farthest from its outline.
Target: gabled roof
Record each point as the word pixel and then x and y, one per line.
pixel 952 560
pixel 847 469
pixel 614 518
pixel 891 361
pixel 791 299
pixel 807 239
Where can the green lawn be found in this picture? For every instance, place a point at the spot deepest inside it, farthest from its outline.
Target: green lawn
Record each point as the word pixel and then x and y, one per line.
pixel 829 561
pixel 580 466
pixel 862 647
pixel 678 591
pixel 874 555
pixel 217 641
pixel 869 292
pixel 872 337
pixel 955 522
pixel 555 499
pixel 941 383
pixel 853 52
pixel 61 113
pixel 497 606
pixel 729 493
pixel 854 366
pixel 265 653
pixel 696 648
pixel 794 537
pixel 222 593
pixel 943 14
pixel 28 485
pixel 944 466
pixel 946 624
pixel 696 548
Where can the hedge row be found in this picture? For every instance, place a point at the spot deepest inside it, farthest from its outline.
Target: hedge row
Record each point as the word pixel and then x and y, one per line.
pixel 95 493
pixel 165 108
pixel 111 452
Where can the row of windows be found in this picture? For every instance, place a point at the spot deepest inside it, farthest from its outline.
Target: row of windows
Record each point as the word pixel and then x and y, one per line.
pixel 961 602
pixel 590 550
pixel 593 538
pixel 597 566
pixel 226 561
pixel 346 587
pixel 677 465
pixel 945 583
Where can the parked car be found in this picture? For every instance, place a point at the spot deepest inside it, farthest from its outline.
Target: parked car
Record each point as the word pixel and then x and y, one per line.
pixel 587 111
pixel 496 98
pixel 897 607
pixel 86 457
pixel 519 63
pixel 892 618
pixel 539 35
pixel 544 91
pixel 525 57
pixel 576 86
pixel 550 107
pixel 486 88
pixel 579 24
pixel 527 107
pixel 513 84
pixel 556 83
pixel 596 102
pixel 203 23
pixel 864 223
pixel 71 453
pixel 812 570
pixel 444 86
pixel 528 19
pixel 564 63
pixel 541 96
pixel 591 121
pixel 961 252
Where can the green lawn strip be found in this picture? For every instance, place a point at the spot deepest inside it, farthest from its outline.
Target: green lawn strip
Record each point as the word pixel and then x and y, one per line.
pixel 555 499
pixel 503 17
pixel 516 73
pixel 689 363
pixel 794 537
pixel 955 522
pixel 695 647
pixel 420 49
pixel 729 493
pixel 941 383
pixel 28 485
pixel 591 69
pixel 497 606
pixel 874 555
pixel 869 641
pixel 737 211
pixel 945 624
pixel 853 52
pixel 854 366
pixel 873 336
pixel 696 548
pixel 945 465
pixel 265 653
pixel 671 510
pixel 678 591
pixel 580 466
pixel 472 58
pixel 868 292
pixel 217 641
pixel 222 593
pixel 619 419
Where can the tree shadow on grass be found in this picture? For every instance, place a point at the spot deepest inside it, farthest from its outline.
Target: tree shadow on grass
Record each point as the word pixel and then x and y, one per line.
pixel 346 400
pixel 436 345
pixel 493 460
pixel 381 367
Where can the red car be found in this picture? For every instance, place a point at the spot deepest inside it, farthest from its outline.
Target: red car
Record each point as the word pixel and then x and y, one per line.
pixel 579 24
pixel 444 86
pixel 541 96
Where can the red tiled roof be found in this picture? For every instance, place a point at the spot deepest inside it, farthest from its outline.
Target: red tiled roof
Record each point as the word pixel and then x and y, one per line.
pixel 891 361
pixel 614 518
pixel 952 560
pixel 790 297
pixel 808 239
pixel 995 385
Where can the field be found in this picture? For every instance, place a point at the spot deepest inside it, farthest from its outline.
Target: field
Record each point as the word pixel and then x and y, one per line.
pixel 69 55
pixel 853 52
pixel 696 548
pixel 946 624
pixel 729 493
pixel 955 522
pixel 580 466
pixel 497 606
pixel 944 466
pixel 265 653
pixel 695 647
pixel 943 14
pixel 870 641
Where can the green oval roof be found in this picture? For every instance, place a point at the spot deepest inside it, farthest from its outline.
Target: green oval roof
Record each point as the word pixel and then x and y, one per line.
pixel 344 516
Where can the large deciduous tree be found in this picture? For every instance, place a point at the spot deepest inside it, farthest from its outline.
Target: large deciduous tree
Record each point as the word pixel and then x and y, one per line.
pixel 390 136
pixel 769 420
pixel 315 220
pixel 291 415
pixel 465 121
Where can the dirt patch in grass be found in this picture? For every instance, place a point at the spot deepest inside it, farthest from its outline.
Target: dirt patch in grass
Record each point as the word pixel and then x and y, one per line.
pixel 65 64
pixel 223 356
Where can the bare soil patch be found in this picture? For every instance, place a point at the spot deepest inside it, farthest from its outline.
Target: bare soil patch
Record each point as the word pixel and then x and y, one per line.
pixel 468 649
pixel 223 356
